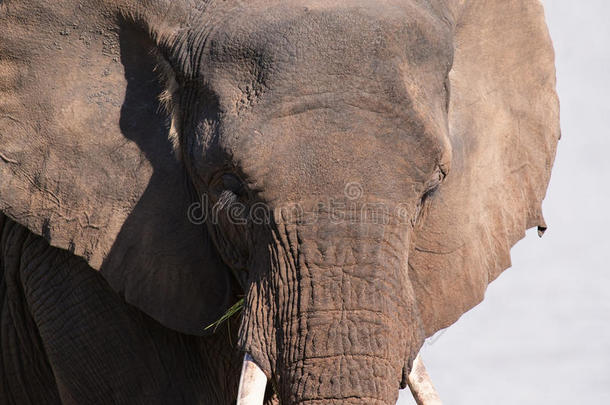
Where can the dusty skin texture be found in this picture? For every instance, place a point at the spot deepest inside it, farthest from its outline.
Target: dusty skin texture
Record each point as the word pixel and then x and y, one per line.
pixel 444 113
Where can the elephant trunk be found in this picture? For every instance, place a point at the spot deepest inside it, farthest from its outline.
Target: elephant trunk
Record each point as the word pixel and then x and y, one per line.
pixel 334 322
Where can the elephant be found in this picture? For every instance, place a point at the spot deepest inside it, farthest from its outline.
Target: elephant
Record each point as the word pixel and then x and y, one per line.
pixel 347 175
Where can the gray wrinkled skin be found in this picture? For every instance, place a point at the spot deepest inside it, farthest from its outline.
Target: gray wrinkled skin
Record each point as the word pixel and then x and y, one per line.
pixel 117 116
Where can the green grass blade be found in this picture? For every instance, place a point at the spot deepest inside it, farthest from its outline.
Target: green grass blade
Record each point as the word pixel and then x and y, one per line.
pixel 236 308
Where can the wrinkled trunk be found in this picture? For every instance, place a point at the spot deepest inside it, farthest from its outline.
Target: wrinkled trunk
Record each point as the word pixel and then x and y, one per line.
pixel 334 322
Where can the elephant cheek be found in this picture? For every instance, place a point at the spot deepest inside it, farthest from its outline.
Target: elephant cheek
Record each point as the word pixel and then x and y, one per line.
pixel 333 318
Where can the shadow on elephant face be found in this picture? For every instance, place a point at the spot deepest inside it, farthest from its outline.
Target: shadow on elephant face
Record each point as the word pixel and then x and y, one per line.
pixel 161 261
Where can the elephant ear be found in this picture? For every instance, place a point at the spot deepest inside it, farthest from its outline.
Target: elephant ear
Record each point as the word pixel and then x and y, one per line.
pixel 504 129
pixel 85 159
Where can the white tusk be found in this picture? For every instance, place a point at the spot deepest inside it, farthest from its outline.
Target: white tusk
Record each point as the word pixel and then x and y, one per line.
pixel 252 383
pixel 421 386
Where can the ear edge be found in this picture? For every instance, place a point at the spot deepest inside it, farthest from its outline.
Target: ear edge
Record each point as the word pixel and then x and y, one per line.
pixel 456 253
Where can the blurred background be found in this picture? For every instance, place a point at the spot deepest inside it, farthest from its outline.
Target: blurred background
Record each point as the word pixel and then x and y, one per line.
pixel 542 335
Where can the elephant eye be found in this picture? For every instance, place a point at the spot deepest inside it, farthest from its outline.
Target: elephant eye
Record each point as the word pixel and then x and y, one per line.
pixel 228 183
pixel 447 87
pixel 232 183
pixel 434 182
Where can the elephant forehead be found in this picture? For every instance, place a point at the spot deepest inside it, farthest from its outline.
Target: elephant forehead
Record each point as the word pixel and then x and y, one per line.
pixel 288 39
pixel 315 94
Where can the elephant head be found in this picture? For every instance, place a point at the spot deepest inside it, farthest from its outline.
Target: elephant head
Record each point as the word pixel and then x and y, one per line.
pixel 362 168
